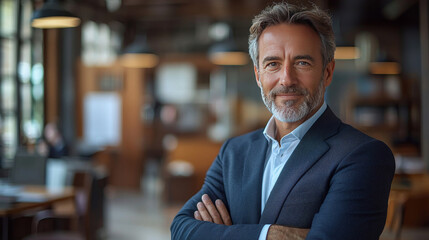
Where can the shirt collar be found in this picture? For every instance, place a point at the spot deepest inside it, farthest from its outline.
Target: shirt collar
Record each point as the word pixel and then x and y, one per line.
pixel 299 132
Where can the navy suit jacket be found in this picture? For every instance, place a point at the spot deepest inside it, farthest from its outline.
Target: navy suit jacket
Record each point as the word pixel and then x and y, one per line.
pixel 336 183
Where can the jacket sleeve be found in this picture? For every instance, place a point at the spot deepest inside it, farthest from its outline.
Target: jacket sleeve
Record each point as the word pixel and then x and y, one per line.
pixel 184 226
pixel 355 206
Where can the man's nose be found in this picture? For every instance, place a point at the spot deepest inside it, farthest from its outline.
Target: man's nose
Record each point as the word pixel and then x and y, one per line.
pixel 287 77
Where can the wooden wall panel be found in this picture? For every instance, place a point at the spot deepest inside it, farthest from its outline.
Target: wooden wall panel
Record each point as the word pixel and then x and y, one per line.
pixel 51 81
pixel 129 171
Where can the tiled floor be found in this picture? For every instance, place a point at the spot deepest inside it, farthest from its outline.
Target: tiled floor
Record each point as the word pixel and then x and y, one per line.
pixel 133 215
pixel 139 215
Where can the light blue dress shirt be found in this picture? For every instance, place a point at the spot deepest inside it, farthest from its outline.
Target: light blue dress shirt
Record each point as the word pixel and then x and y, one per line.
pixel 279 154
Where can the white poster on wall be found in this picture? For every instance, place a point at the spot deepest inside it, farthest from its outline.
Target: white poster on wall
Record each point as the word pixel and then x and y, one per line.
pixel 176 83
pixel 102 119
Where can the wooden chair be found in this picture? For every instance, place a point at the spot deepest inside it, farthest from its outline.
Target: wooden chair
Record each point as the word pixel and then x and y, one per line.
pixel 83 182
pixel 408 208
pixel 395 214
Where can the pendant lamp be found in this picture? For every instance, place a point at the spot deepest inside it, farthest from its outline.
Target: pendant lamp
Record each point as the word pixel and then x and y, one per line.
pixel 226 53
pixel 347 53
pixel 385 68
pixel 139 55
pixel 53 15
pixel 384 65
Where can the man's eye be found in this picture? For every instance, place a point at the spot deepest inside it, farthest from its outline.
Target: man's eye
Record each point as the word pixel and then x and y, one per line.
pixel 272 64
pixel 303 63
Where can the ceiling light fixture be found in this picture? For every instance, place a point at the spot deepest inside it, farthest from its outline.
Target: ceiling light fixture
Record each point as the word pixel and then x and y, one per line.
pixel 347 53
pixel 139 55
pixel 226 53
pixel 53 15
pixel 386 68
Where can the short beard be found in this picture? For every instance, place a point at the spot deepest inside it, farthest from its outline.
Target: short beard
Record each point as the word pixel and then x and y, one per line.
pixel 287 112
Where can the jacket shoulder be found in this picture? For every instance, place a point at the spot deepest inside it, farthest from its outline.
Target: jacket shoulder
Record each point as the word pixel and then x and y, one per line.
pixel 350 134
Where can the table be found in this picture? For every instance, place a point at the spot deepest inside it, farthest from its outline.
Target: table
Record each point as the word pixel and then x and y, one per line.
pixel 31 198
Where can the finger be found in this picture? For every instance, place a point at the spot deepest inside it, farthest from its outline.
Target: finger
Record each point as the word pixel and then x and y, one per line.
pixel 223 212
pixel 213 211
pixel 198 216
pixel 205 216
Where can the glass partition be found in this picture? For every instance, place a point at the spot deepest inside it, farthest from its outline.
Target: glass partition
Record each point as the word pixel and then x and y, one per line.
pixel 21 79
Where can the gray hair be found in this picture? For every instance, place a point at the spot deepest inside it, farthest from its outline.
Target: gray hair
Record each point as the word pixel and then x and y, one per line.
pixel 279 13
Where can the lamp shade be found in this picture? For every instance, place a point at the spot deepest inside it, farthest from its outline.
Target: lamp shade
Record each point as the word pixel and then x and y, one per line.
pixel 346 53
pixel 226 53
pixel 385 68
pixel 384 65
pixel 139 55
pixel 53 15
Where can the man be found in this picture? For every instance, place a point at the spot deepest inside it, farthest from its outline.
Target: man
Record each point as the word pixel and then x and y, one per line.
pixel 53 145
pixel 307 174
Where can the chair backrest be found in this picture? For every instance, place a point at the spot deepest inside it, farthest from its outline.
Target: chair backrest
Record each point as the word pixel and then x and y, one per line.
pixel 89 198
pixel 97 203
pixel 90 201
pixel 28 169
pixel 83 184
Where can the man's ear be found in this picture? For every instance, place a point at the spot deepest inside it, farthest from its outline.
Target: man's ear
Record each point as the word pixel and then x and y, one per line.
pixel 328 74
pixel 257 76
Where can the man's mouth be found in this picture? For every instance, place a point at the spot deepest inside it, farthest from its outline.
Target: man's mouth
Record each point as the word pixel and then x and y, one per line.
pixel 288 96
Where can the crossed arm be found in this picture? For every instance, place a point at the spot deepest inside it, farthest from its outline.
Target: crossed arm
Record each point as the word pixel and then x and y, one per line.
pixel 354 207
pixel 218 213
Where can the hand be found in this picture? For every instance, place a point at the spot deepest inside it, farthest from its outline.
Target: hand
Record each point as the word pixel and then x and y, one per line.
pixel 282 232
pixel 209 212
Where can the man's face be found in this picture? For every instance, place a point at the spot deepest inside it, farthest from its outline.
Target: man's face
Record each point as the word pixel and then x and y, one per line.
pixel 291 74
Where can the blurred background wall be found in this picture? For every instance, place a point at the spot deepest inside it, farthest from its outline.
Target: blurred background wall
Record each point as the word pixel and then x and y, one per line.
pixel 82 79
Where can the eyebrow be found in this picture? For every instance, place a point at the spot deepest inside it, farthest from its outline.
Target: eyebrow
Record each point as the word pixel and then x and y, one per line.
pixel 304 57
pixel 298 57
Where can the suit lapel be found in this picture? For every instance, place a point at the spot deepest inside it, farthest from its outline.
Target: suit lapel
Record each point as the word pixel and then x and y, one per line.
pixel 252 180
pixel 309 150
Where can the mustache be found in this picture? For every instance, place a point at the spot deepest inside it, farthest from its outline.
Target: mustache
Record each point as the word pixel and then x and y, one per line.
pixel 287 89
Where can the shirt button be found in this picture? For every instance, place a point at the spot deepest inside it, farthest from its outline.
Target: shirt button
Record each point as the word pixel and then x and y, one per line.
pixel 282 155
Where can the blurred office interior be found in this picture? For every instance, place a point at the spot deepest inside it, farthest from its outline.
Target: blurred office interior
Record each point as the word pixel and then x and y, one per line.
pixel 138 96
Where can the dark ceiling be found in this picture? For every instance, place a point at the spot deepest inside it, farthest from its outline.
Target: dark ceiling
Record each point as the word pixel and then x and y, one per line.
pixel 181 25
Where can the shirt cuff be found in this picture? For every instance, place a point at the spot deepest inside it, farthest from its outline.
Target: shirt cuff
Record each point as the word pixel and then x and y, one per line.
pixel 264 232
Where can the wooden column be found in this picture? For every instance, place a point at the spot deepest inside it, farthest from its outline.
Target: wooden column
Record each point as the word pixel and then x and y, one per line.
pixel 126 166
pixel 51 67
pixel 129 169
pixel 424 44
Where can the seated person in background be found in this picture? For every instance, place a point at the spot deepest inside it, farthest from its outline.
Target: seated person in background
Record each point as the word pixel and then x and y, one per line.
pixel 53 145
pixel 307 174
